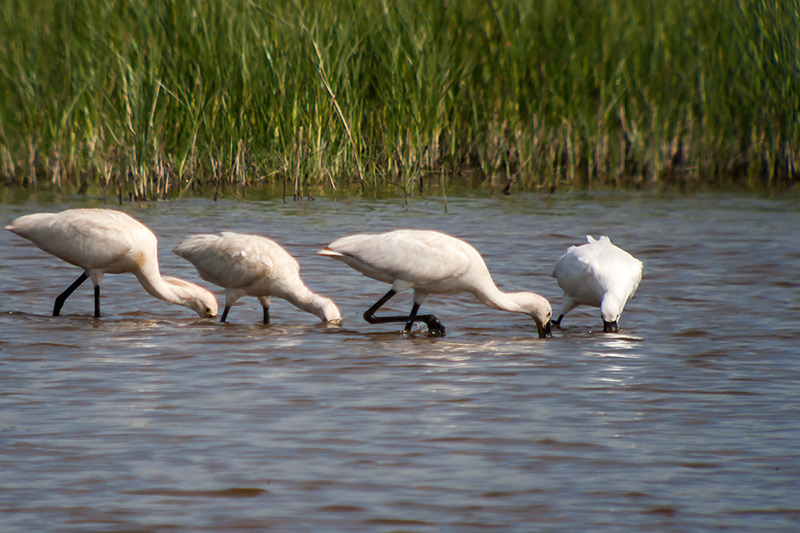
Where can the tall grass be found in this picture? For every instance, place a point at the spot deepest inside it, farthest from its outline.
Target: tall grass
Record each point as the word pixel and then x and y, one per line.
pixel 151 99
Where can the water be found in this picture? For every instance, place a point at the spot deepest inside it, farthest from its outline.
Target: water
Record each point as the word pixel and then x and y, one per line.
pixel 151 419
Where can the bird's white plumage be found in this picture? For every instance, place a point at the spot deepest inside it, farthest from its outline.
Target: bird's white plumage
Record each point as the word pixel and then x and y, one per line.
pixel 252 265
pixel 426 260
pixel 99 240
pixel 105 241
pixel 431 262
pixel 598 274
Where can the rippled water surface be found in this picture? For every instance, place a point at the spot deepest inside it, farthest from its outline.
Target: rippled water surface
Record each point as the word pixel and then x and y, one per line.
pixel 151 419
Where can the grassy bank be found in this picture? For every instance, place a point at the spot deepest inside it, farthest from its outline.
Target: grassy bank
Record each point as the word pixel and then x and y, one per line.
pixel 150 99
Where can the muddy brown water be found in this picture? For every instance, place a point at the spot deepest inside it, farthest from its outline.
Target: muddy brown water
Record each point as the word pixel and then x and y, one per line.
pixel 151 419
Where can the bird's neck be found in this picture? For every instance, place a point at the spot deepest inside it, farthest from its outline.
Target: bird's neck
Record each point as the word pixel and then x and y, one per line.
pixel 611 306
pixel 493 297
pixel 159 287
pixel 305 299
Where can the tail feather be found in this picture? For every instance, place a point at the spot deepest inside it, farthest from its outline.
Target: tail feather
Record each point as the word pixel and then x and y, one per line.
pixel 329 253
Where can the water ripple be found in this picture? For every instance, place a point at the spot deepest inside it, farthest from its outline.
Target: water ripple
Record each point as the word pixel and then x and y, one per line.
pixel 151 419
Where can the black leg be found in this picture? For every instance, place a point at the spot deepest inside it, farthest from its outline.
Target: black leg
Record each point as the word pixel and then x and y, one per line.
pixel 410 323
pixel 266 314
pixel 369 314
pixel 61 298
pixel 557 323
pixel 225 313
pixel 97 301
pixel 434 326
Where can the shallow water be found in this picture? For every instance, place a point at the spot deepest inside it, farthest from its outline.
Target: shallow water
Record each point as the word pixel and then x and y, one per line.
pixel 151 419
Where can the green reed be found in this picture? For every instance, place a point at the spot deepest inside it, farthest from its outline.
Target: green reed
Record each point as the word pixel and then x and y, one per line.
pixel 153 99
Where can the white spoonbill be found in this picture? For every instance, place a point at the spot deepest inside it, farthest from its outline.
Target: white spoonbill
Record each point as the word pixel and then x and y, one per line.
pixel 598 274
pixel 430 262
pixel 251 265
pixel 105 241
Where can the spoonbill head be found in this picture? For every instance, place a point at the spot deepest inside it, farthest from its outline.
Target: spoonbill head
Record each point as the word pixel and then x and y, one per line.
pixel 203 302
pixel 430 262
pixel 598 274
pixel 105 241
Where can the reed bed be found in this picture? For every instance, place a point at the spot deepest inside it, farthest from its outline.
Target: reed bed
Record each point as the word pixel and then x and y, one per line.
pixel 157 99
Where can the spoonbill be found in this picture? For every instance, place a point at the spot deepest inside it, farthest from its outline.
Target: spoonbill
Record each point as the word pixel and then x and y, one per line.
pixel 105 241
pixel 251 265
pixel 598 274
pixel 430 262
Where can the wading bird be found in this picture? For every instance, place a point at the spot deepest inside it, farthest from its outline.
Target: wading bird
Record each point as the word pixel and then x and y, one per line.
pixel 250 265
pixel 430 262
pixel 104 241
pixel 598 274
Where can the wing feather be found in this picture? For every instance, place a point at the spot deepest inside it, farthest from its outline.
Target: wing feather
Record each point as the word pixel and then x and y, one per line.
pixel 419 257
pixel 234 260
pixel 89 238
